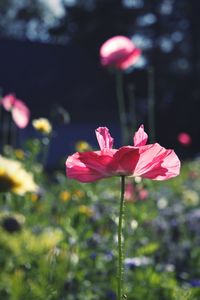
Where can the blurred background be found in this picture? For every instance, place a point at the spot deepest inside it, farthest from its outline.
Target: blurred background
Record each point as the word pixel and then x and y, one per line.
pixel 49 57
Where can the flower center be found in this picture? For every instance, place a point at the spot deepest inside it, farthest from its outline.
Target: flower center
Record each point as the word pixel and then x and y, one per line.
pixel 7 182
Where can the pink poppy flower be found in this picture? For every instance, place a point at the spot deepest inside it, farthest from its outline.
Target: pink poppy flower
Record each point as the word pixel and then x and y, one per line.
pixel 133 193
pixel 184 138
pixel 20 112
pixel 119 52
pixel 148 161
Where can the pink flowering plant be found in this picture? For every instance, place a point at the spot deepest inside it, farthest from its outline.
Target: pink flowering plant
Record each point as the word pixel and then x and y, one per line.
pixel 151 161
pixel 118 54
pixel 18 109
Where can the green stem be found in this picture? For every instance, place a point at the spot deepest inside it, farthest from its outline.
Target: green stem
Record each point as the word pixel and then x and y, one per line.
pixel 1 111
pixel 5 130
pixel 1 131
pixel 13 134
pixel 120 295
pixel 46 144
pixel 151 105
pixel 132 109
pixel 121 105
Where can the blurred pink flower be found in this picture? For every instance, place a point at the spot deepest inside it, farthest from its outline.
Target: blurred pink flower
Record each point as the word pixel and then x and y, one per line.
pixel 149 161
pixel 8 101
pixel 184 139
pixel 119 52
pixel 129 194
pixel 20 112
pixel 135 192
pixel 143 194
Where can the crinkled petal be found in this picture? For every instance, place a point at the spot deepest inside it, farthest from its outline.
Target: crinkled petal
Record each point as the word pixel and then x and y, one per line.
pixel 104 138
pixel 126 159
pixel 170 163
pixel 20 114
pixel 89 166
pixel 83 174
pixel 157 163
pixel 140 137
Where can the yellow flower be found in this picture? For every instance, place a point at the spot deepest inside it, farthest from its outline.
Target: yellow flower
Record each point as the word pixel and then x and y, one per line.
pixel 65 196
pixel 190 197
pixel 19 153
pixel 83 209
pixel 19 217
pixel 42 125
pixel 14 178
pixel 78 194
pixel 82 146
pixel 34 197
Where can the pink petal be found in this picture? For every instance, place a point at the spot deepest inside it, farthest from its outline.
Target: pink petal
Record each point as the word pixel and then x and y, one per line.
pixel 130 60
pixel 89 166
pixel 104 138
pixel 119 51
pixel 114 57
pixel 140 137
pixel 157 163
pixel 8 101
pixel 115 48
pixel 20 114
pixel 172 164
pixel 83 174
pixel 126 159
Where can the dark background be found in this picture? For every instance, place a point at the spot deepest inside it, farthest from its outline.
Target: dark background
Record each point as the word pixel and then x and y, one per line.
pixel 63 68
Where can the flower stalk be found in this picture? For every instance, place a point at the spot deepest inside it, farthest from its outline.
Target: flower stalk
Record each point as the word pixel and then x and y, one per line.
pixel 120 295
pixel 132 111
pixel 46 144
pixel 151 104
pixel 5 130
pixel 121 105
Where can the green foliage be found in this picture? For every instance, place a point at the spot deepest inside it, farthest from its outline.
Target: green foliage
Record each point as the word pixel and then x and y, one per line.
pixel 60 243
